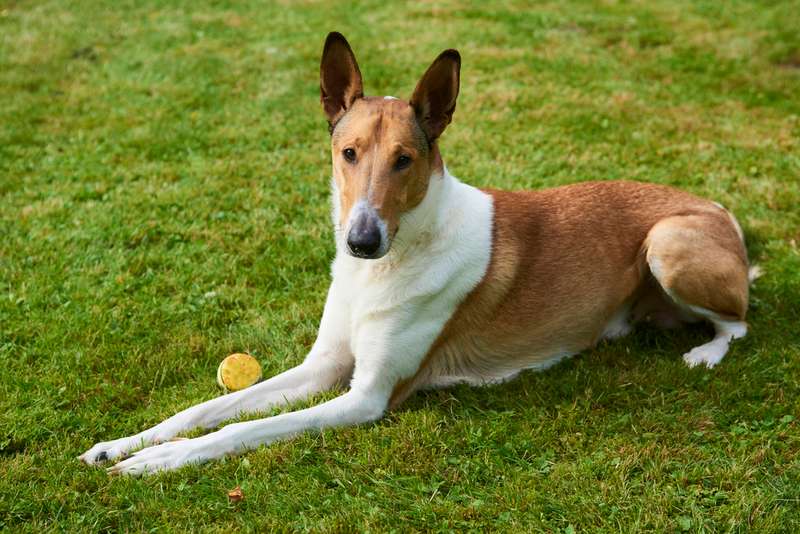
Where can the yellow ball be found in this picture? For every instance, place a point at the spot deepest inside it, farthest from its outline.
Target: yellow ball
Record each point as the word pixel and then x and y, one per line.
pixel 238 371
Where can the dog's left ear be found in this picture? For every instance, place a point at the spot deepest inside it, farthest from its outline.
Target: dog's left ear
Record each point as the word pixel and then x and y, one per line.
pixel 434 99
pixel 339 78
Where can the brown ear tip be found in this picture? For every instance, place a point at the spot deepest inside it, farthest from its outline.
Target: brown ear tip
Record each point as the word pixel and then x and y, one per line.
pixel 451 54
pixel 335 37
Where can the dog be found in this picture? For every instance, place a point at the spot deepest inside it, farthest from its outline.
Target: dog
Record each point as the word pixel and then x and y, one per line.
pixel 436 282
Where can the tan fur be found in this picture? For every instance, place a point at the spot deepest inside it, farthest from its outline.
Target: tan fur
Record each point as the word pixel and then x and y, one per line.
pixel 380 130
pixel 704 262
pixel 565 260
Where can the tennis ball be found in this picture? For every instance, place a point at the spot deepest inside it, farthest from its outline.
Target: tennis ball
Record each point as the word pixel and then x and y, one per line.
pixel 238 371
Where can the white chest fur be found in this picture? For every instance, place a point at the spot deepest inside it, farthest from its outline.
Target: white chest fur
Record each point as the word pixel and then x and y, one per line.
pixel 393 309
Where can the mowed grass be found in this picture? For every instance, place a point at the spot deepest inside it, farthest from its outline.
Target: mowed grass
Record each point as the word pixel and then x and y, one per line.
pixel 164 171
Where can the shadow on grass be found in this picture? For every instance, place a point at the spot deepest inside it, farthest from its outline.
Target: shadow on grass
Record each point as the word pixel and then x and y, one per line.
pixel 645 363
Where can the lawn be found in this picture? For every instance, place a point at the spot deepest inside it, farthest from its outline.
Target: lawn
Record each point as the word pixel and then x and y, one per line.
pixel 164 174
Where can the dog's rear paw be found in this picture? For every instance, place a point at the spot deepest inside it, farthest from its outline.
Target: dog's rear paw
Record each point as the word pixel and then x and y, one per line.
pixel 110 450
pixel 709 354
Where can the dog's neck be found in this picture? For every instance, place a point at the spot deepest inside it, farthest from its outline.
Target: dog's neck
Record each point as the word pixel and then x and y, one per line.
pixel 424 222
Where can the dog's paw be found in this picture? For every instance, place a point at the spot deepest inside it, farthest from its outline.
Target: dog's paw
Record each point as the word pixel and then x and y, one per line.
pixel 164 457
pixel 709 354
pixel 110 450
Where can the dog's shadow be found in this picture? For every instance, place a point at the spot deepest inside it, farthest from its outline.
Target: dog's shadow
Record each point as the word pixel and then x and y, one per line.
pixel 649 359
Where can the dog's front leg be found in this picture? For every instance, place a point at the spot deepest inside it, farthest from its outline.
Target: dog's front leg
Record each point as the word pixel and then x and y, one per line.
pixel 329 363
pixel 354 407
pixel 386 353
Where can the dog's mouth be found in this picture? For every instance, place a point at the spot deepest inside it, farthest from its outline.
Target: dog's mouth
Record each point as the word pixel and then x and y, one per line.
pixel 365 255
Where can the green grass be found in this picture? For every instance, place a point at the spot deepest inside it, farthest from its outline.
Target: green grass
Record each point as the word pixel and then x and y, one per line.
pixel 164 201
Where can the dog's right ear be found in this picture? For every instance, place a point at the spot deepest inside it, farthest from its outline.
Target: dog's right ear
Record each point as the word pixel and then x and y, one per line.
pixel 434 99
pixel 339 78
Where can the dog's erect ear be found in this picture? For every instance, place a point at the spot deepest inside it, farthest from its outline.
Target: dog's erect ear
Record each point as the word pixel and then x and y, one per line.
pixel 434 99
pixel 339 78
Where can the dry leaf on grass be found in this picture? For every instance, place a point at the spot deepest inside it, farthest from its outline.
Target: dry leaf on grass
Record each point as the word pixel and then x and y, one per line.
pixel 235 495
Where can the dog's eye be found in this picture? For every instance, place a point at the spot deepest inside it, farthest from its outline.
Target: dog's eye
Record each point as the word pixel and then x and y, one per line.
pixel 349 154
pixel 402 162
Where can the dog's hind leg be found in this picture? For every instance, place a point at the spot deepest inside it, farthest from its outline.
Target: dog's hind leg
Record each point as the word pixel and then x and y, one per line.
pixel 711 353
pixel 701 263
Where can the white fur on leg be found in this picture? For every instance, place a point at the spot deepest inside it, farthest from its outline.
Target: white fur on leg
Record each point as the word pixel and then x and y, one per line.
pixel 295 384
pixel 329 361
pixel 319 372
pixel 712 352
pixel 354 407
pixel 619 325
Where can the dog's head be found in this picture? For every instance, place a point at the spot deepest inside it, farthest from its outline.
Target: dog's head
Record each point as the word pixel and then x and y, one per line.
pixel 384 149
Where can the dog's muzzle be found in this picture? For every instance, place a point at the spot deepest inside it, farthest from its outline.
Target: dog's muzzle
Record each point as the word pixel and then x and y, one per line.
pixel 365 237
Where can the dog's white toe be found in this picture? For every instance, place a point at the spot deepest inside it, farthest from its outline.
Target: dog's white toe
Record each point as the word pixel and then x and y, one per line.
pixel 164 457
pixel 110 450
pixel 709 354
pixel 712 352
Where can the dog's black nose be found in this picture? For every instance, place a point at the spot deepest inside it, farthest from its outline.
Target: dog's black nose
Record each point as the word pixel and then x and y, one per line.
pixel 364 237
